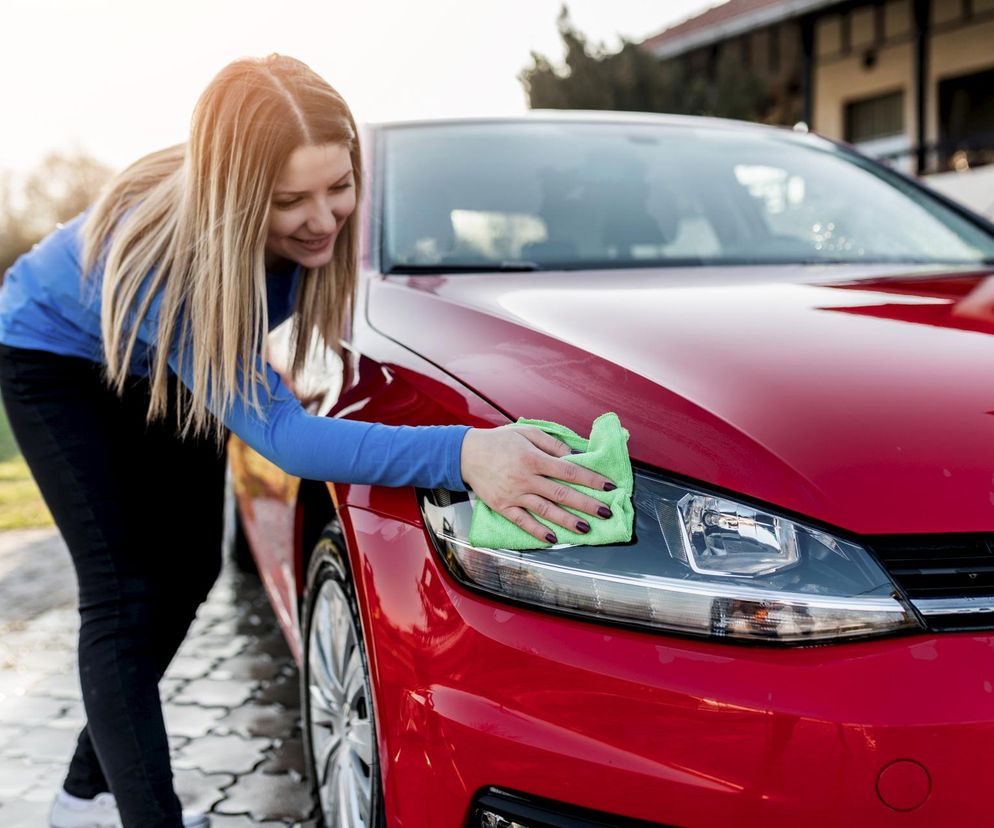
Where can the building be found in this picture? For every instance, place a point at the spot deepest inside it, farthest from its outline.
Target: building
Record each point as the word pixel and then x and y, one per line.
pixel 909 81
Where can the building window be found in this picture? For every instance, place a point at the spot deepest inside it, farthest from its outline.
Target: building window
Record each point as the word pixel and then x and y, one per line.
pixel 966 120
pixel 873 118
pixel 876 127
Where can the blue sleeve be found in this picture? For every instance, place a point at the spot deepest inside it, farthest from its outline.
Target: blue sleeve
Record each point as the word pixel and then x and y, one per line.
pixel 316 448
pixel 347 451
pixel 328 448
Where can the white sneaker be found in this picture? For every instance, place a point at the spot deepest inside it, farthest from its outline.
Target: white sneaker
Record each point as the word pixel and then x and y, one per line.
pixel 70 811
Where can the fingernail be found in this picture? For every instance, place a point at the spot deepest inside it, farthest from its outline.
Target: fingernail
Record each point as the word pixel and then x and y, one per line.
pixel 583 526
pixel 550 537
pixel 603 511
pixel 609 487
pixel 575 451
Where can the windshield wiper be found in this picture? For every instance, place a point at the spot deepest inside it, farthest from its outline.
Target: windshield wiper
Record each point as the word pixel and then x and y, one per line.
pixel 511 265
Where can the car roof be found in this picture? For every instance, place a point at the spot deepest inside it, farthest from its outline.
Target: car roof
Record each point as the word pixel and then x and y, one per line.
pixel 589 116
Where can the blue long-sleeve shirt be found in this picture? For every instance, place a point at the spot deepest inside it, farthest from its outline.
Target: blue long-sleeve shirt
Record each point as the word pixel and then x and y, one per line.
pixel 45 306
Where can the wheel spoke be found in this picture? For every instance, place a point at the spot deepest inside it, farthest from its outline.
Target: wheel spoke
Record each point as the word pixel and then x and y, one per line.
pixel 341 638
pixel 322 686
pixel 343 796
pixel 328 808
pixel 329 756
pixel 359 737
pixel 326 788
pixel 325 642
pixel 329 679
pixel 362 790
pixel 354 685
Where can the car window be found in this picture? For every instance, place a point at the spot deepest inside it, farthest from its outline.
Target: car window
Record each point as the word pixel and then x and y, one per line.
pixel 575 194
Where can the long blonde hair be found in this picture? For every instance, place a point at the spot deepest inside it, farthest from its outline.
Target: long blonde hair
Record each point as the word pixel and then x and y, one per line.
pixel 189 223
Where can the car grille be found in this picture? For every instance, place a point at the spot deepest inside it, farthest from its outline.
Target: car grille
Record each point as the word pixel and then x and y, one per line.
pixel 949 578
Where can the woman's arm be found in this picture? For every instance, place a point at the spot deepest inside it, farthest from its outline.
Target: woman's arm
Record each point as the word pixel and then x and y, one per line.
pixel 347 451
pixel 516 470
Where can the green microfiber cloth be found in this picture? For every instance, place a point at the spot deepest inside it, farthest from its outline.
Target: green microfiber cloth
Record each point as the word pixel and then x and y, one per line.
pixel 606 452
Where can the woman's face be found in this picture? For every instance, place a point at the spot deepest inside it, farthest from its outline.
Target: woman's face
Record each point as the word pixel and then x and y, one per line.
pixel 313 196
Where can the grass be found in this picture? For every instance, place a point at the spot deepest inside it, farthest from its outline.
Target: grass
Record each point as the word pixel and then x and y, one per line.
pixel 21 505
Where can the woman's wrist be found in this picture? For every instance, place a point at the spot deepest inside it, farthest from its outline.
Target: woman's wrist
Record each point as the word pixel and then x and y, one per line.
pixel 465 455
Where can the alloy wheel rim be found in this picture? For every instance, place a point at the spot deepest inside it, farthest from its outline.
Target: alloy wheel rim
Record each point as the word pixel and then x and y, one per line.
pixel 341 729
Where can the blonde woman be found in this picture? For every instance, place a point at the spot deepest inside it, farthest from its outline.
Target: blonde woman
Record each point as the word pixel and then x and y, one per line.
pixel 133 337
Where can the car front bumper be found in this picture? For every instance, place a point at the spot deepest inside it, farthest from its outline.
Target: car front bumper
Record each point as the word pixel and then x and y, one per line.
pixel 472 694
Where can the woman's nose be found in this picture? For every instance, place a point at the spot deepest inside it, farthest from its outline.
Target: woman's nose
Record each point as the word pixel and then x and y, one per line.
pixel 321 221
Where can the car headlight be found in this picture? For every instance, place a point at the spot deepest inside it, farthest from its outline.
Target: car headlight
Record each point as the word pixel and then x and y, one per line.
pixel 699 563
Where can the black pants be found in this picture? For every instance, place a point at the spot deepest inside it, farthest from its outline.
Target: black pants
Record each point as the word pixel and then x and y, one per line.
pixel 141 512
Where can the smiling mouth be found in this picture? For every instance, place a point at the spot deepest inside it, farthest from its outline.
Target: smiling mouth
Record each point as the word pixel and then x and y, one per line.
pixel 313 244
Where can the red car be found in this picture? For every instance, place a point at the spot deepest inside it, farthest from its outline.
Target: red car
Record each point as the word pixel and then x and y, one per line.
pixel 800 632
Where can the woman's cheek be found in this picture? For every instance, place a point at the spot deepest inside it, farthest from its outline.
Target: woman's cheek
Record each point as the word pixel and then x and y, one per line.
pixel 285 224
pixel 347 206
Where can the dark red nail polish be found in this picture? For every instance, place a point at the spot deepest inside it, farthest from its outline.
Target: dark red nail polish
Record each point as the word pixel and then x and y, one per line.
pixel 609 487
pixel 575 451
pixel 550 537
pixel 603 511
pixel 583 526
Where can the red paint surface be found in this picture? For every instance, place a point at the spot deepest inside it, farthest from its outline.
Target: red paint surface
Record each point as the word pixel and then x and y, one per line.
pixel 862 404
pixel 471 692
pixel 858 397
pixel 791 397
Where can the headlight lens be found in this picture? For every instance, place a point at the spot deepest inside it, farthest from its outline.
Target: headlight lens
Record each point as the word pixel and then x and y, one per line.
pixel 699 563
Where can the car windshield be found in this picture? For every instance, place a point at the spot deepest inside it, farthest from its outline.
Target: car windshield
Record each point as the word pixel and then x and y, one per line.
pixel 578 195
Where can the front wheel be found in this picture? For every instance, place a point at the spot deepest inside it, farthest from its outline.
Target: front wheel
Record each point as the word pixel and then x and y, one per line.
pixel 336 700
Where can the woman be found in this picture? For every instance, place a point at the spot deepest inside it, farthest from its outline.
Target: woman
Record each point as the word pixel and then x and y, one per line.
pixel 134 336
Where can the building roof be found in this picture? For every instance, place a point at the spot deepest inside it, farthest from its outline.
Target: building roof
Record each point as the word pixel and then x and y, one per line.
pixel 725 20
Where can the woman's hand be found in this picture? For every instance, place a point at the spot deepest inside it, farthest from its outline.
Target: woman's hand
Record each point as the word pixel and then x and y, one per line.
pixel 509 468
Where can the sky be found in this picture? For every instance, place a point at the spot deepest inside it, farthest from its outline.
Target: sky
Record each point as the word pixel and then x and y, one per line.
pixel 119 78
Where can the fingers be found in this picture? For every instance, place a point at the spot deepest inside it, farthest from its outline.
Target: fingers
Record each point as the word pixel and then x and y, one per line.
pixel 552 492
pixel 555 514
pixel 572 473
pixel 524 516
pixel 546 442
pixel 523 520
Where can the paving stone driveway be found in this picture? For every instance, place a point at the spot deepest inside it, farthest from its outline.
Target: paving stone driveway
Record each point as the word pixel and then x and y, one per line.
pixel 230 697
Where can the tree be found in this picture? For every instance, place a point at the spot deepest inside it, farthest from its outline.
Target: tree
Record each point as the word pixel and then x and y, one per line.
pixel 15 238
pixel 60 186
pixel 634 80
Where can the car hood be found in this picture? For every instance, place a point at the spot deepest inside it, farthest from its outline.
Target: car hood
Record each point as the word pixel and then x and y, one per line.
pixel 858 397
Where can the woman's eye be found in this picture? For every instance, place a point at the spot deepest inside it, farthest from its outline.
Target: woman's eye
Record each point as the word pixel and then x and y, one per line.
pixel 287 205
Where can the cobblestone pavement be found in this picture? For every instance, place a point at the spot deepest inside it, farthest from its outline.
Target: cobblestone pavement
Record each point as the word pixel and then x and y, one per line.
pixel 230 696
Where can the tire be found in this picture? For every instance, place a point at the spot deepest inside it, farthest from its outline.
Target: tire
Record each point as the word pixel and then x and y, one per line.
pixel 340 748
